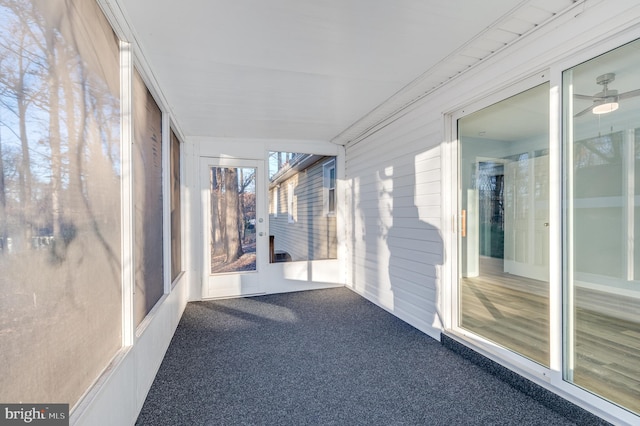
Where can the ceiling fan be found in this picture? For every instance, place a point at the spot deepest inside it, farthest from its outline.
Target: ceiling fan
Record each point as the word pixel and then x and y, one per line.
pixel 606 100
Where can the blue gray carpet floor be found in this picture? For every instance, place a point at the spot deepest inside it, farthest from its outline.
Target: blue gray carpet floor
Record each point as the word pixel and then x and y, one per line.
pixel 324 357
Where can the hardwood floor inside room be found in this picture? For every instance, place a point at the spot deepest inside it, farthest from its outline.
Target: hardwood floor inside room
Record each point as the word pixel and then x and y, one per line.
pixel 607 358
pixel 507 309
pixel 513 312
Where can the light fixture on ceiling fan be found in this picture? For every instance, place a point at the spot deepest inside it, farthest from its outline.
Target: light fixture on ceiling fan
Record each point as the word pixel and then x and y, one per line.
pixel 606 100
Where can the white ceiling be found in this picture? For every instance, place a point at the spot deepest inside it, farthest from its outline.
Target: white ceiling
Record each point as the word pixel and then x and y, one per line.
pixel 298 69
pixel 520 117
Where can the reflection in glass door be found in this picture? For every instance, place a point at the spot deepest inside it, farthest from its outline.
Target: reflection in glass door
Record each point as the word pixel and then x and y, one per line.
pixel 503 242
pixel 233 227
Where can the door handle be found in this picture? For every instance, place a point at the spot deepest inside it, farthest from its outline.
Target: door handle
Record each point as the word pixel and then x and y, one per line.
pixel 463 223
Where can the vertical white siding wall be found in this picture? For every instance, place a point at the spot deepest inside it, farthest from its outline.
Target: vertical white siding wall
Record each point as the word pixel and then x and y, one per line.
pixel 394 239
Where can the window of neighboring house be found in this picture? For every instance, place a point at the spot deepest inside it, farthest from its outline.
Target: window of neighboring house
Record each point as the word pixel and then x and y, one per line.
pixel 329 188
pixel 274 202
pixel 291 202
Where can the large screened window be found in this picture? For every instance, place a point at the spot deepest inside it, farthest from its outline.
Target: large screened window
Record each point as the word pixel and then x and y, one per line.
pixel 503 242
pixel 60 216
pixel 147 178
pixel 602 205
pixel 302 194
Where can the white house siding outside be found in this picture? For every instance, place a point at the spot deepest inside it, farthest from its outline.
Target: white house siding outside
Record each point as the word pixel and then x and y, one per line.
pixel 306 233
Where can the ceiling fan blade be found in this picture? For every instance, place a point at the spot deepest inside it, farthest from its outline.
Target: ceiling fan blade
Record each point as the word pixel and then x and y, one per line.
pixel 584 111
pixel 585 97
pixel 630 94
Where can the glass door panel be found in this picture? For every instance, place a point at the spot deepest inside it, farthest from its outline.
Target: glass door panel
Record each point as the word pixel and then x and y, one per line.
pixel 602 207
pixel 504 237
pixel 234 242
pixel 233 219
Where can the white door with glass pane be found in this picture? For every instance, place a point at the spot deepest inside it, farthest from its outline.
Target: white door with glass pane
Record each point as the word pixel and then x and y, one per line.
pixel 526 234
pixel 234 242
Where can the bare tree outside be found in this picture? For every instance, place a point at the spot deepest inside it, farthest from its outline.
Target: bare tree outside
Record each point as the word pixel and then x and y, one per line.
pixel 233 242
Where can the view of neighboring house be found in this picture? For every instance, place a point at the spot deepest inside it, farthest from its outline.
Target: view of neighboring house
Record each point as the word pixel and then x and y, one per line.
pixel 302 207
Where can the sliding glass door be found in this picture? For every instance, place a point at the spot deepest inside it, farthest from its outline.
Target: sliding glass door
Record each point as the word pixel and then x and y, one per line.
pixel 602 204
pixel 503 240
pixel 504 229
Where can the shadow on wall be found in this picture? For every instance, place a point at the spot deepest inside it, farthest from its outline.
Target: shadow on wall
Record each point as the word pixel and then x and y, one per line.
pixel 415 246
